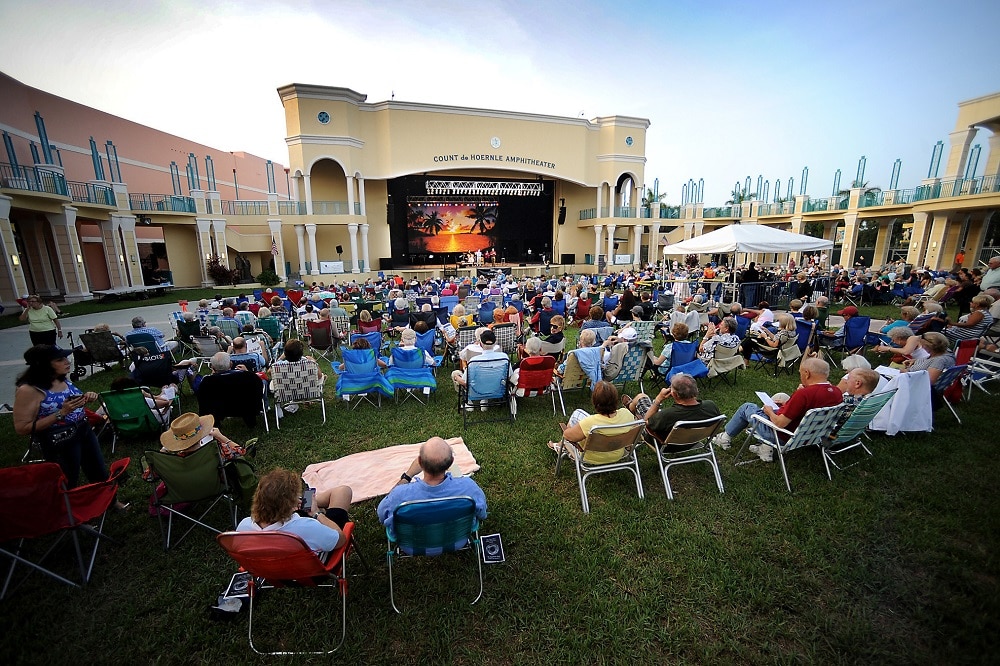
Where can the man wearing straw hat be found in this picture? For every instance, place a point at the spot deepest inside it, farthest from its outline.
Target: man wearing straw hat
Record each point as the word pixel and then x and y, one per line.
pixel 189 432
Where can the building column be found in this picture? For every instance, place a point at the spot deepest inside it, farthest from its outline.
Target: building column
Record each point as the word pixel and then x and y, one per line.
pixel 203 235
pixel 598 229
pixel 350 195
pixel 850 240
pixel 40 259
pixel 352 230
pixel 364 209
pixel 597 212
pixel 636 242
pixel 882 242
pixel 279 259
pixel 654 243
pixel 309 198
pixel 16 284
pixel 130 248
pixel 611 244
pixel 993 159
pixel 688 230
pixel 942 240
pixel 219 234
pixel 69 253
pixel 796 224
pixel 958 152
pixel 918 239
pixel 364 246
pixel 313 254
pixel 113 252
pixel 300 232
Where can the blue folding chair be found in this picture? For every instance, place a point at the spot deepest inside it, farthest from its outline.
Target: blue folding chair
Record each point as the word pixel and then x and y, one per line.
pixel 361 377
pixel 408 376
pixel 684 359
pixel 486 386
pixel 431 527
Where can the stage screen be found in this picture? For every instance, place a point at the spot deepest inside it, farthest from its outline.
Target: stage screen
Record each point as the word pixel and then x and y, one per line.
pixel 448 227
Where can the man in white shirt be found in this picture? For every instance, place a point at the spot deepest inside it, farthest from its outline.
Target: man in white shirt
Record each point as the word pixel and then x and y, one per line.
pixel 992 277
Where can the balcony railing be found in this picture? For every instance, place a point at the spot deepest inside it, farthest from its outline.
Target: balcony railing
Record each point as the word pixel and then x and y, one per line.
pixel 588 214
pixel 843 203
pixel 722 211
pixel 33 179
pixel 871 199
pixel 291 208
pixel 816 205
pixel 333 208
pixel 778 208
pixel 670 212
pixel 161 202
pixel 91 193
pixel 625 211
pixel 244 208
pixel 958 187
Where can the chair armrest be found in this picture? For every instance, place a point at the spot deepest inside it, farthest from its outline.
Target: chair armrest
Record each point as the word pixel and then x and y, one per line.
pixel 760 419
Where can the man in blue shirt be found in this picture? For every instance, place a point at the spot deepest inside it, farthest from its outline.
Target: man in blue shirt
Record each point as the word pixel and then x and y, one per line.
pixel 139 326
pixel 434 460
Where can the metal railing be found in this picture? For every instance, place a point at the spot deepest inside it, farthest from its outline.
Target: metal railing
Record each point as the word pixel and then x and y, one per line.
pixel 588 214
pixel 33 179
pixel 779 208
pixel 91 193
pixel 870 199
pixel 816 205
pixel 722 211
pixel 957 188
pixel 624 211
pixel 291 208
pixel 670 212
pixel 244 207
pixel 161 202
pixel 331 208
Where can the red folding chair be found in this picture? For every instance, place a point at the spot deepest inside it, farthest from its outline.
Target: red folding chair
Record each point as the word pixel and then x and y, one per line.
pixel 534 378
pixel 35 503
pixel 282 560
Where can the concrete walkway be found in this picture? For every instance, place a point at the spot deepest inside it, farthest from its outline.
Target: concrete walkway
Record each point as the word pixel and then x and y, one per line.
pixel 14 341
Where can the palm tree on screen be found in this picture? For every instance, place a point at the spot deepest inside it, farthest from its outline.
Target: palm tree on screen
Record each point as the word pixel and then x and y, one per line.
pixel 433 223
pixel 482 217
pixel 415 218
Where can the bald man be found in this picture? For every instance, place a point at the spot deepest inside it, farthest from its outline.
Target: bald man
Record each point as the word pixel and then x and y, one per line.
pixel 815 391
pixel 434 460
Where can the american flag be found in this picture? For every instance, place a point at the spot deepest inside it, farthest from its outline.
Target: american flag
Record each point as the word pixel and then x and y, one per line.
pixel 274 246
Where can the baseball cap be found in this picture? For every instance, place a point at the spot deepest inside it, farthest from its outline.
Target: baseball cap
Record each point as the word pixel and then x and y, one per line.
pixel 850 311
pixel 627 334
pixel 44 354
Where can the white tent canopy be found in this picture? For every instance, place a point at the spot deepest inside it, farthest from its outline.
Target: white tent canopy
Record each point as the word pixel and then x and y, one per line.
pixel 748 238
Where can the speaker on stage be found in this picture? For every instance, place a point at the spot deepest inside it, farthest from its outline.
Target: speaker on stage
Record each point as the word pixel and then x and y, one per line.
pixel 385 263
pixel 522 265
pixel 568 258
pixel 340 249
pixel 562 214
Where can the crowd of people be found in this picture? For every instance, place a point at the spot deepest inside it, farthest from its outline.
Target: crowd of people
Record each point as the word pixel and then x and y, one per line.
pixel 52 411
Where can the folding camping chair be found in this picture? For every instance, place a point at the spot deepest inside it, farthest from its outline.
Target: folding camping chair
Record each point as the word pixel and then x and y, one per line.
pixel 687 442
pixel 849 435
pixel 198 478
pixel 854 341
pixel 361 377
pixel 535 377
pixel 431 527
pixel 35 503
pixel 408 376
pixel 102 349
pixel 277 560
pixel 945 381
pixel 322 339
pixel 241 394
pixel 486 386
pixel 600 440
pixel 131 416
pixel 817 424
pixel 296 382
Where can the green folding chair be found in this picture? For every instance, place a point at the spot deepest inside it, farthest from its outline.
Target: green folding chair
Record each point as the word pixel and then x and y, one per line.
pixel 194 480
pixel 130 415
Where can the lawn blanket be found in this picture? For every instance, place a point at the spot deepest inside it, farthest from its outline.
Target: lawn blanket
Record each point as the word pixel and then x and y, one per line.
pixel 374 473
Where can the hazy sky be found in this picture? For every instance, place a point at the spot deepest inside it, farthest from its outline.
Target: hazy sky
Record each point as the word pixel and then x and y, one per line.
pixel 732 88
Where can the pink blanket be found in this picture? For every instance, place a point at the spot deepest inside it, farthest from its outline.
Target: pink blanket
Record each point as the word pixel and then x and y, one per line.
pixel 374 473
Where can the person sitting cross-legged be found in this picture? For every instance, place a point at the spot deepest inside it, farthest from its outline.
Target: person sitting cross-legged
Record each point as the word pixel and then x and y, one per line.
pixel 686 407
pixel 434 460
pixel 276 508
pixel 815 391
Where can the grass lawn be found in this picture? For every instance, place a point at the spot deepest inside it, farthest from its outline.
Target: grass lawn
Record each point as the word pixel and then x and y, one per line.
pixel 895 561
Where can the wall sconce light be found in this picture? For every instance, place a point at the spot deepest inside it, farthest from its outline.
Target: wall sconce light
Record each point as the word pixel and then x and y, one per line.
pixel 16 260
pixel 79 258
pixel 934 245
pixel 208 256
pixel 121 258
pixel 131 258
